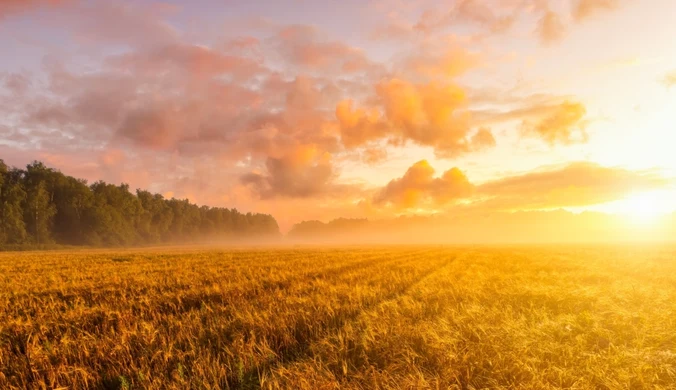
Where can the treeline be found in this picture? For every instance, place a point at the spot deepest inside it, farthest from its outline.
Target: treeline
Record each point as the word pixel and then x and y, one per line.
pixel 403 229
pixel 41 206
pixel 481 227
pixel 336 227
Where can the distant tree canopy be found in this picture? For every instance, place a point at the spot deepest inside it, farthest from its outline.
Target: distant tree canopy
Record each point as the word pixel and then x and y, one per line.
pixel 336 227
pixel 40 205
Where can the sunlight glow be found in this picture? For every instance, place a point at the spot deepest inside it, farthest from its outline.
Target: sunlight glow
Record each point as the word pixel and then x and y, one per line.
pixel 643 207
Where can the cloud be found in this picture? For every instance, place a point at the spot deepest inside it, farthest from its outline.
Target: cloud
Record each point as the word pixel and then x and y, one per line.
pixel 373 155
pixel 550 27
pixel 159 102
pixel 15 83
pixel 669 79
pixel 549 118
pixel 486 15
pixel 432 114
pixel 301 173
pixel 155 128
pixel 563 123
pixel 434 62
pixel 574 185
pixel 9 7
pixel 119 22
pixel 485 18
pixel 482 139
pixel 393 30
pixel 99 22
pixel 303 46
pixel 182 98
pixel 418 187
pixel 577 184
pixel 230 120
pixel 275 114
pixel 478 19
pixel 359 126
pixel 583 9
pixel 186 60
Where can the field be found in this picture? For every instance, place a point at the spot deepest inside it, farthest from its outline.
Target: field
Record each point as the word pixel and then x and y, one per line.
pixel 329 318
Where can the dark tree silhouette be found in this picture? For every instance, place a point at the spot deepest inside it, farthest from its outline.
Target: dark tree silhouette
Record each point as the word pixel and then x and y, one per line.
pixel 40 205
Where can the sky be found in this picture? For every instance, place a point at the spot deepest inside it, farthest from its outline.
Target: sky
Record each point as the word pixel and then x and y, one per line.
pixel 361 109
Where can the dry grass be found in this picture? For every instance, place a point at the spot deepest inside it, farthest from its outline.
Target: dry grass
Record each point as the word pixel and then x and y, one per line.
pixel 409 318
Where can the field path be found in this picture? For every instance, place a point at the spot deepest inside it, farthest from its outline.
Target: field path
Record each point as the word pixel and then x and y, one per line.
pixel 301 351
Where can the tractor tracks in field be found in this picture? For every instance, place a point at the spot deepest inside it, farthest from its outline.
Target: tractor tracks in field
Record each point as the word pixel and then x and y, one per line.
pixel 303 349
pixel 250 293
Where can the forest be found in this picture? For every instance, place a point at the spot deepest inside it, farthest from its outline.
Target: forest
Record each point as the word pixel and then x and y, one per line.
pixel 40 206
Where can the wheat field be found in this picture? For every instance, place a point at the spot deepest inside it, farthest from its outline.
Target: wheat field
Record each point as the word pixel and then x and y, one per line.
pixel 339 318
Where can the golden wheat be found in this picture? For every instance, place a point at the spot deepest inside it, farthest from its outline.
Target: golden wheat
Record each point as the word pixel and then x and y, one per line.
pixel 329 318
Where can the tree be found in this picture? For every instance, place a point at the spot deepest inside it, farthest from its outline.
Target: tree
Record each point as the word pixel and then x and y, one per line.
pixel 39 210
pixel 40 205
pixel 156 217
pixel 73 200
pixel 12 197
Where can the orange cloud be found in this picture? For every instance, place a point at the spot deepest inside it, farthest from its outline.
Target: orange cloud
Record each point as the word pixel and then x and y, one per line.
pixel 482 139
pixel 577 184
pixel 563 123
pixel 449 63
pixel 544 117
pixel 550 28
pixel 419 187
pixel 432 114
pixel 373 155
pixel 112 157
pixel 584 9
pixel 359 126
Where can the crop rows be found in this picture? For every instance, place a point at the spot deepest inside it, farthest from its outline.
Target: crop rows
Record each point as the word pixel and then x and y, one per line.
pixel 358 318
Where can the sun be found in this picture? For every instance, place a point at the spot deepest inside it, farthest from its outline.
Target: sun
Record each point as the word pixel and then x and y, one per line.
pixel 644 207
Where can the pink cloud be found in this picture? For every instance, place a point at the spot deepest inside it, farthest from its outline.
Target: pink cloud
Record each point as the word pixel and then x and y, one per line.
pixel 9 7
pixel 305 47
pixel 584 9
pixel 125 23
pixel 302 172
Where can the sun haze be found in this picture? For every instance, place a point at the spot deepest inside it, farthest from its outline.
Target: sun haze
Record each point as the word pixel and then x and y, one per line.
pixel 464 111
